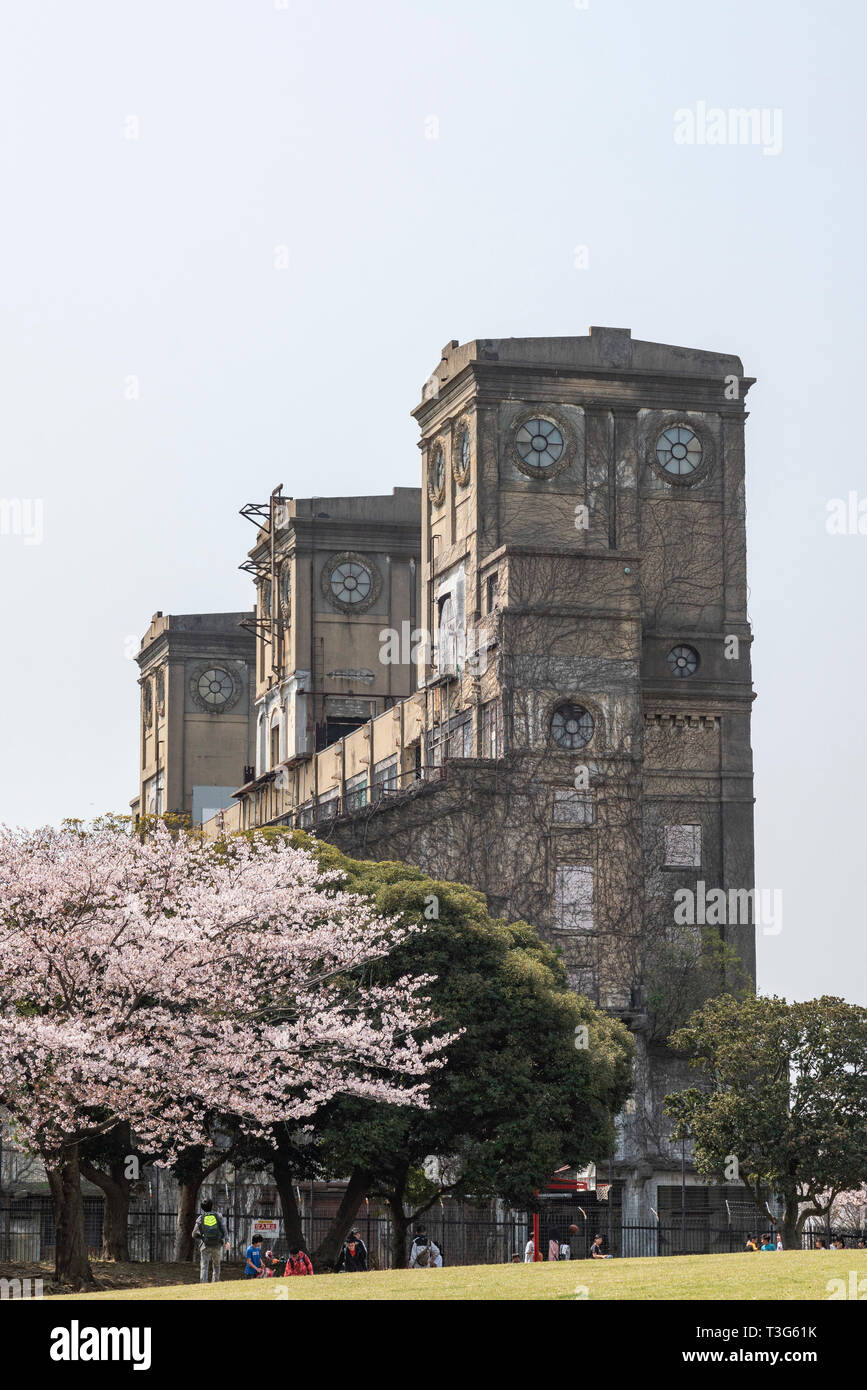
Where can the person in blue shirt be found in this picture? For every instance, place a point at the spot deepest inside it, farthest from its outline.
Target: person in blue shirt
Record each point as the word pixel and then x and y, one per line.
pixel 253 1263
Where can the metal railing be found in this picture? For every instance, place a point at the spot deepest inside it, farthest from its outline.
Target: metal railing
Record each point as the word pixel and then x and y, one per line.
pixel 329 807
pixel 464 1237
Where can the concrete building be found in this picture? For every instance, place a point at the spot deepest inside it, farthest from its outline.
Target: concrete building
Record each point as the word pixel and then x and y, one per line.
pixel 330 574
pixel 567 728
pixel 196 739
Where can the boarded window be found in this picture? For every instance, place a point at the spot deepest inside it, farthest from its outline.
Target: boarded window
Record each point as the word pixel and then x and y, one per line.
pixel 573 898
pixel 572 807
pixel 683 846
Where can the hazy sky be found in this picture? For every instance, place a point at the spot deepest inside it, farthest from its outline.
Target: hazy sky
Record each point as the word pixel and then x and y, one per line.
pixel 424 171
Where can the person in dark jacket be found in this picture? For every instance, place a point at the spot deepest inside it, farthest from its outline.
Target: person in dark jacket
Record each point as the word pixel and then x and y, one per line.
pixel 353 1256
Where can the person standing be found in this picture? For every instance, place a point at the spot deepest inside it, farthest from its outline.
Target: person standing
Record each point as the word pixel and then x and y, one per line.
pixel 253 1259
pixel 212 1234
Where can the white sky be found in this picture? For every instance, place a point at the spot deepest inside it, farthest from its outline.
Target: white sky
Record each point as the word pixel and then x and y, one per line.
pixel 306 127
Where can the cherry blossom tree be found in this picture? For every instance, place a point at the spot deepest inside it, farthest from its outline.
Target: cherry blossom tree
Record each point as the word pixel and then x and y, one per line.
pixel 167 982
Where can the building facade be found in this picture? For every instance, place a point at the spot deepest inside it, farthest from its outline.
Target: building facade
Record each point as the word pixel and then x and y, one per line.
pixel 196 727
pixel 554 706
pixel 330 574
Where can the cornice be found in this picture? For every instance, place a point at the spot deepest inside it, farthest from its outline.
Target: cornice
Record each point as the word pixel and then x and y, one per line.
pixel 175 646
pixel 590 387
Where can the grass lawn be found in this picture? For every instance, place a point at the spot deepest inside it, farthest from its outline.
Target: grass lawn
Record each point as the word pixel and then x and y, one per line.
pixel 786 1275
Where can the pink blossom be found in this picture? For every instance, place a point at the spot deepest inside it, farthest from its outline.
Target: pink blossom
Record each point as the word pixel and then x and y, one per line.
pixel 168 981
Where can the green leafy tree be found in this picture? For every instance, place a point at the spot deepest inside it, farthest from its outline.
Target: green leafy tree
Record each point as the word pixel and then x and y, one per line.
pixel 533 1082
pixel 784 1094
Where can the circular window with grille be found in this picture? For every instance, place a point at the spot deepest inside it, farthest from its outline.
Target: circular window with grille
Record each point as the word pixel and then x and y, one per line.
pixel 683 661
pixel 351 582
pixel 681 453
pixel 215 687
pixel 436 475
pixel 571 726
pixel 542 444
pixel 678 450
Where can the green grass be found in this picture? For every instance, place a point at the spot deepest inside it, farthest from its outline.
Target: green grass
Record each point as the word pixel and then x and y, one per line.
pixel 785 1275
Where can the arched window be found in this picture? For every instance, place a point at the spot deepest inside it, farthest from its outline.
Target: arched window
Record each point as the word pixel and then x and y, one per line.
pixel 261 748
pixel 446 634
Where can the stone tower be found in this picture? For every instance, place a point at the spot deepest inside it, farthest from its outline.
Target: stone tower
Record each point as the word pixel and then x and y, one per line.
pixel 195 740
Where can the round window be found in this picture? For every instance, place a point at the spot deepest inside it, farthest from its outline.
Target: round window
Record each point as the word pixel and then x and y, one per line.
pixel 437 474
pixel 215 687
pixel 572 726
pixel 683 661
pixel 679 451
pixel 351 582
pixel 540 443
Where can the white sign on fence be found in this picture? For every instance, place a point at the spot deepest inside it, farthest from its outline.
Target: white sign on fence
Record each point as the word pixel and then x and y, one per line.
pixel 266 1227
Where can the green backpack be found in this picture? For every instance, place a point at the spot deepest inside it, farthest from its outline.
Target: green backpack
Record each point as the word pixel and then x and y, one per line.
pixel 211 1229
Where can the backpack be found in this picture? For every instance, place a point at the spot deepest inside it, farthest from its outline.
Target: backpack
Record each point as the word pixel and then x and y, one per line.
pixel 424 1256
pixel 211 1229
pixel 565 1252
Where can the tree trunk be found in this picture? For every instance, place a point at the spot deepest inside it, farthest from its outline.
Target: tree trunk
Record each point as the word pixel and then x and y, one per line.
pixel 400 1224
pixel 327 1251
pixel 191 1173
pixel 187 1194
pixel 70 1254
pixel 115 1226
pixel 791 1229
pixel 117 1190
pixel 288 1204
